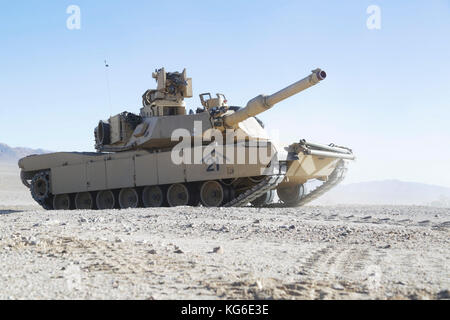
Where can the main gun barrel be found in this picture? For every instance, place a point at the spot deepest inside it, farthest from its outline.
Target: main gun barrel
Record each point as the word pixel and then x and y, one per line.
pixel 263 103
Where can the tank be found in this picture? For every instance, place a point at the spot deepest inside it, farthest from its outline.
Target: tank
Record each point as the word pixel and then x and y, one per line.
pixel 216 155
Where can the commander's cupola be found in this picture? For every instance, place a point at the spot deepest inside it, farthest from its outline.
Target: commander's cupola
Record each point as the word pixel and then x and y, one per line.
pixel 168 98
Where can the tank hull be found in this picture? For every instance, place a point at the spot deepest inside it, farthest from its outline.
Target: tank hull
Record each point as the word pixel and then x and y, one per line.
pixel 75 175
pixel 75 172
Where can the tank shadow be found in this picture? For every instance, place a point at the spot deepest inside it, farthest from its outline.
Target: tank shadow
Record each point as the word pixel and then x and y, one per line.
pixel 5 212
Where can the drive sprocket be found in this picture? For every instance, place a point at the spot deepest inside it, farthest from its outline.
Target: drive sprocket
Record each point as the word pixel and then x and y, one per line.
pixel 41 191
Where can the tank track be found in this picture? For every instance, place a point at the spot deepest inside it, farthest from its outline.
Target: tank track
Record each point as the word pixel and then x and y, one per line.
pixel 24 180
pixel 46 201
pixel 267 184
pixel 334 179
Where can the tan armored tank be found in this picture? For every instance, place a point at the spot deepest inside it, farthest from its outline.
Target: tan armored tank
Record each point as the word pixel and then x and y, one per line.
pixel 219 155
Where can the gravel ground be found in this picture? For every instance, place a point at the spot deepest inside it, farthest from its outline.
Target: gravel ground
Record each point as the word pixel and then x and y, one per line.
pixel 198 253
pixel 355 252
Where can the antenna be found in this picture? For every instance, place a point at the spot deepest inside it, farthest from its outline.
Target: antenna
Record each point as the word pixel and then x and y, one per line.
pixel 108 87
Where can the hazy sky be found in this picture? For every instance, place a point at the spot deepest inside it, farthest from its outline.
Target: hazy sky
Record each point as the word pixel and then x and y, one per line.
pixel 387 94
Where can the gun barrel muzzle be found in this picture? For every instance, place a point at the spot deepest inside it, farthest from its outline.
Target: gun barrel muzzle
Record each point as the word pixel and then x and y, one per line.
pixel 315 77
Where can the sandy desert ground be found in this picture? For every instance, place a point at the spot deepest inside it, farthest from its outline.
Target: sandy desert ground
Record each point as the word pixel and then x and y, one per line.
pixel 353 252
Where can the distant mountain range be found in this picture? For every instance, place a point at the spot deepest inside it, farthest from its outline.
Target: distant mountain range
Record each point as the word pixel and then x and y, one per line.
pixel 9 154
pixel 387 192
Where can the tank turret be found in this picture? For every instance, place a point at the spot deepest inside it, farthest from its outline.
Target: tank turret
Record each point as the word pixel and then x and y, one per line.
pixel 164 111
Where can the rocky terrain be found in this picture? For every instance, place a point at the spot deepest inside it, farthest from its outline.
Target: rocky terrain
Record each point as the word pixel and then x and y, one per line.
pixel 340 252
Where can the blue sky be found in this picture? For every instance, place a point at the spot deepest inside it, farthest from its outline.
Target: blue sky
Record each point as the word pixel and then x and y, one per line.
pixel 387 94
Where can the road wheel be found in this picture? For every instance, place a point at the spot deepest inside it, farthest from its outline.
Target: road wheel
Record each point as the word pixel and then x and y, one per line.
pixel 212 194
pixel 291 195
pixel 178 195
pixel 128 198
pixel 84 201
pixel 105 200
pixel 153 197
pixel 62 202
